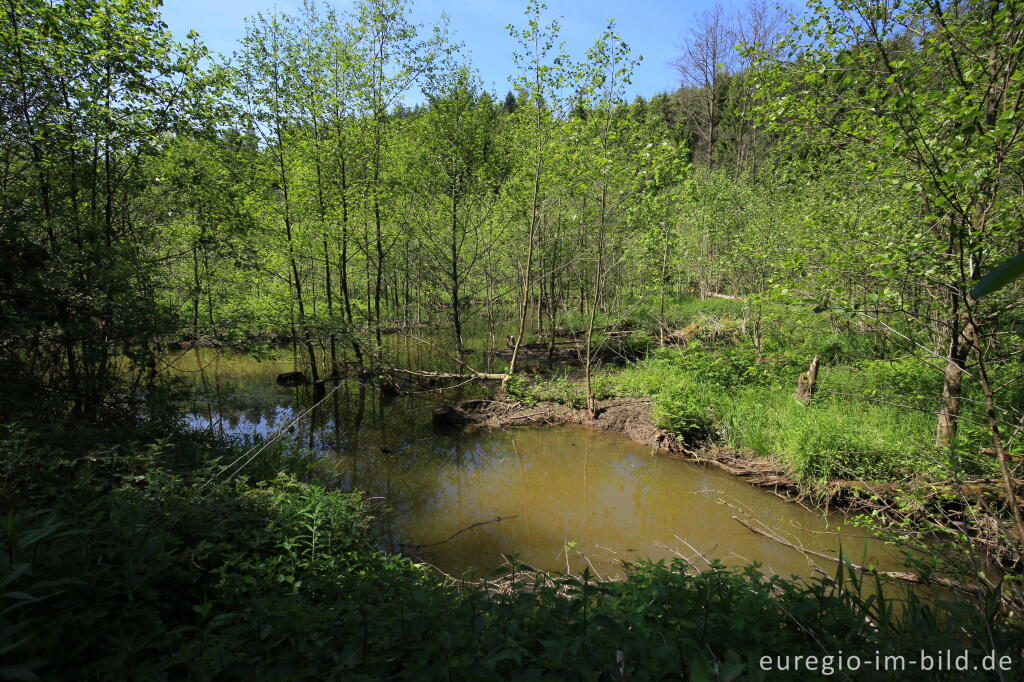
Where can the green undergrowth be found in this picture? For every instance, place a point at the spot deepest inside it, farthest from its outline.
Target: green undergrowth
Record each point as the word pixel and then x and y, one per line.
pixel 646 314
pixel 871 419
pixel 135 561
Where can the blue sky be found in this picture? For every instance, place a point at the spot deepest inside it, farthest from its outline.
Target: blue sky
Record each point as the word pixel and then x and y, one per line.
pixel 653 28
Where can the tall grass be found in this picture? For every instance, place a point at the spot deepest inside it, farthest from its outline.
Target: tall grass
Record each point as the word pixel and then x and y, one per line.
pixel 843 438
pixel 848 432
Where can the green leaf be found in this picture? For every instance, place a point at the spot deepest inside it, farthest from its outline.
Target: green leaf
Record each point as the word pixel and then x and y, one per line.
pixel 1004 273
pixel 731 668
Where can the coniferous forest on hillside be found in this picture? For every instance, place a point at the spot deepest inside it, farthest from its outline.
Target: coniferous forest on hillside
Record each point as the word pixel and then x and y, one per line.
pixel 801 267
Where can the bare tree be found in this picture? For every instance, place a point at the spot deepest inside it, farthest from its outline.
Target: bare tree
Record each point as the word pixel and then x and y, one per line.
pixel 707 58
pixel 759 27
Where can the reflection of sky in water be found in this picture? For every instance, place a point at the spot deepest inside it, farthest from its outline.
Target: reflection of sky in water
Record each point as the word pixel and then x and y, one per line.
pixel 247 423
pixel 551 485
pixel 267 422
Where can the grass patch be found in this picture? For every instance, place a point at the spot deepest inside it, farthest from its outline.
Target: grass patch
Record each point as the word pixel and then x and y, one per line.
pixel 838 439
pixel 848 432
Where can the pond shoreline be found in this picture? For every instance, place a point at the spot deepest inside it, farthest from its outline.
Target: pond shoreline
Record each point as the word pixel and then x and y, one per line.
pixel 634 420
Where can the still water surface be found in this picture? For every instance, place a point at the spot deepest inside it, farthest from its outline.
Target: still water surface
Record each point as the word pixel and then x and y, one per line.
pixel 567 496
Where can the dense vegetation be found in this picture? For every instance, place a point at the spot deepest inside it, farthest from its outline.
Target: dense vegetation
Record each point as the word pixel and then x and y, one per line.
pixel 137 570
pixel 836 188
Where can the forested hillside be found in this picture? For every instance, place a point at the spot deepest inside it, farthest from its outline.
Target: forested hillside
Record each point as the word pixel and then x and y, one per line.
pixel 831 201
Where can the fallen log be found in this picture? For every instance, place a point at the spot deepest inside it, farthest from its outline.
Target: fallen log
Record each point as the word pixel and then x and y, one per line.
pixel 896 575
pixel 447 375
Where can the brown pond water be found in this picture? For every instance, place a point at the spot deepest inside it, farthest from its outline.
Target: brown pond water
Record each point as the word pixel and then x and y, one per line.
pixel 568 496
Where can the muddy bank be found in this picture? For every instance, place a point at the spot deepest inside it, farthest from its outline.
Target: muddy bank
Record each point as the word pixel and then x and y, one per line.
pixel 633 419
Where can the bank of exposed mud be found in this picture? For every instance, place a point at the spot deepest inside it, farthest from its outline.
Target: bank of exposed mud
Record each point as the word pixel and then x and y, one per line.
pixel 633 419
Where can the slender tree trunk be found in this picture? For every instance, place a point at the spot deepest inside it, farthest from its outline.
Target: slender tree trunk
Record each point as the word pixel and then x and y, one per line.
pixel 368 281
pixel 664 283
pixel 598 281
pixel 379 275
pixel 346 296
pixel 997 442
pixel 525 294
pixel 296 279
pixel 956 356
pixel 196 290
pixel 333 339
pixel 455 284
pixel 538 325
pixel 553 283
pixel 209 291
pixel 712 119
pixel 322 216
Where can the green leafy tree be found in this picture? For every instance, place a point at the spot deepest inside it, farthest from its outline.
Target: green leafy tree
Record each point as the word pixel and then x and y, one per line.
pixel 609 160
pixel 925 98
pixel 544 72
pixel 267 83
pixel 90 91
pixel 456 138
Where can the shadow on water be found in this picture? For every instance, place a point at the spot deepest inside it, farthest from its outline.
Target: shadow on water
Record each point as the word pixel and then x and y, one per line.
pixel 567 496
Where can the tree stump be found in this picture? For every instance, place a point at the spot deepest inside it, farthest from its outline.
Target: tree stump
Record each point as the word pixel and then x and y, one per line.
pixel 291 379
pixel 805 384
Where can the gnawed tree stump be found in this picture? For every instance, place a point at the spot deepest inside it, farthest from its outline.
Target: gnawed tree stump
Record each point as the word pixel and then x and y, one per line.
pixel 805 384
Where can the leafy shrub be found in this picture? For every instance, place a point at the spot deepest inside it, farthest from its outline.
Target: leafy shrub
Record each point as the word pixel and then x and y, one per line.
pixel 907 381
pixel 686 411
pixel 519 389
pixel 603 386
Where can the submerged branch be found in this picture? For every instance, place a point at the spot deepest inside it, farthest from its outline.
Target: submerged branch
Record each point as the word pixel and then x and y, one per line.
pixel 896 575
pixel 453 535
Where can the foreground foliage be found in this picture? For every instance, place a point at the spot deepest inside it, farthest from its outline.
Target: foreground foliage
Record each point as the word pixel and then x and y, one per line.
pixel 118 562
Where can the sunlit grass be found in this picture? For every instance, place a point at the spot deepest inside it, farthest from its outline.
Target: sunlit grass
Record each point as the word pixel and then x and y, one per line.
pixel 870 421
pixel 836 439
